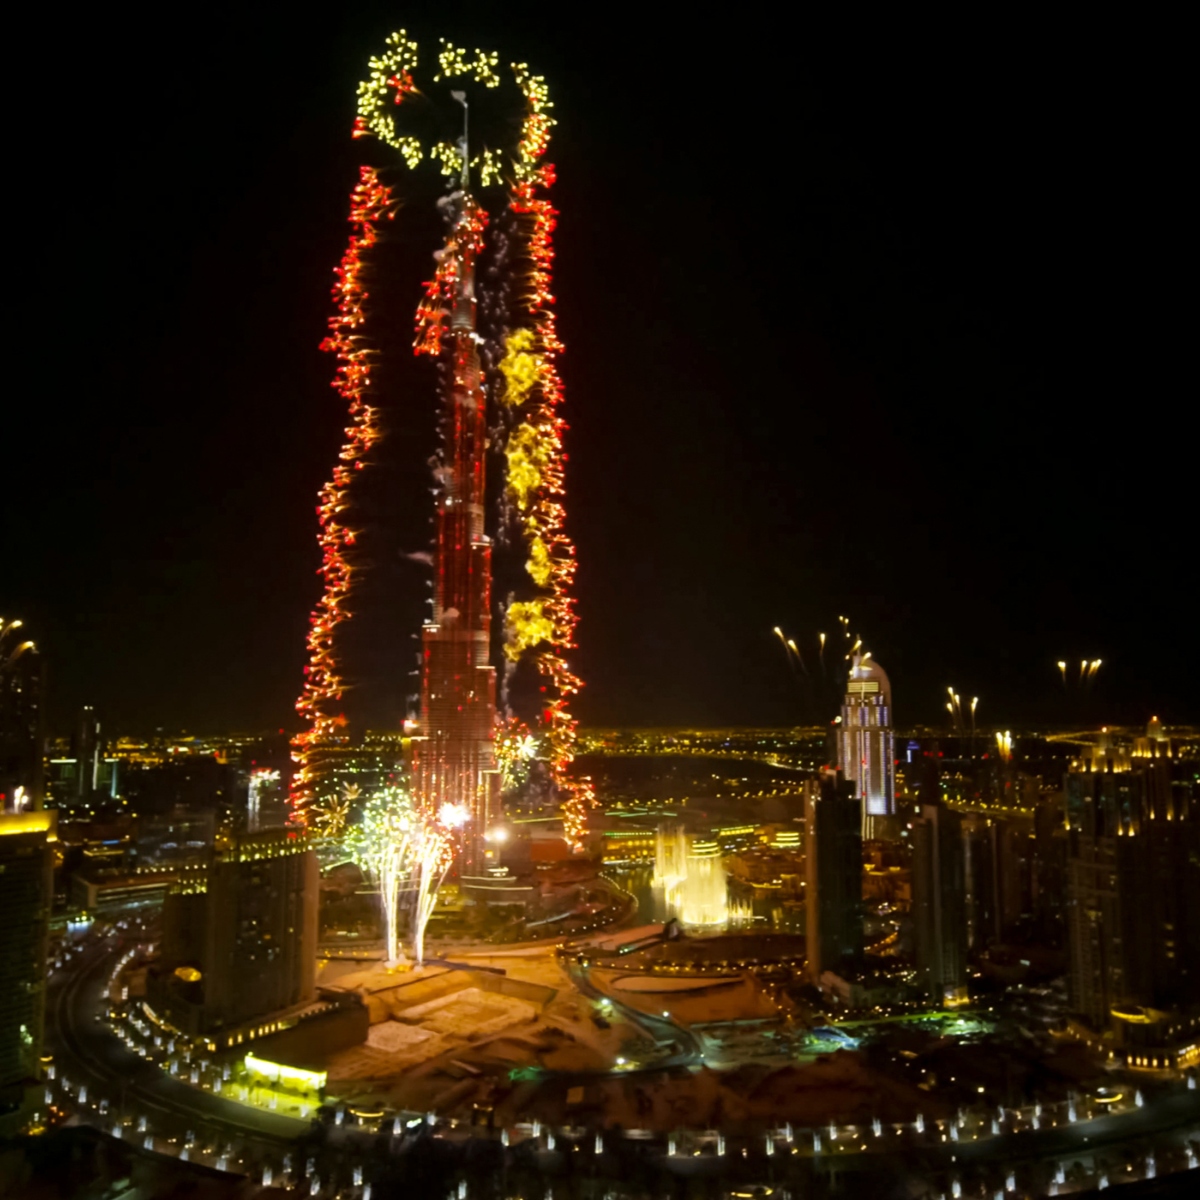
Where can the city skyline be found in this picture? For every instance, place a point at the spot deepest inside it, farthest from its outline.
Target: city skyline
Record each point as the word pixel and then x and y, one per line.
pixel 689 363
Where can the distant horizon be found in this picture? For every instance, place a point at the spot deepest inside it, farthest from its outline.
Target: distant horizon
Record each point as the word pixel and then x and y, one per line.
pixel 983 731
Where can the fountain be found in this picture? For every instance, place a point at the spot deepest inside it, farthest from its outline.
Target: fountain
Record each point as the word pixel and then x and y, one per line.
pixel 703 899
pixel 692 877
pixel 670 857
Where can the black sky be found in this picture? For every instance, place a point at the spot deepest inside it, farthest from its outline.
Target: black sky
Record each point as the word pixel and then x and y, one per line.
pixel 879 322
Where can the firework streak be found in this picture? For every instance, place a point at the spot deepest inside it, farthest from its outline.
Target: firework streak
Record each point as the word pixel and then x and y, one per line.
pixel 545 626
pixel 323 684
pixel 383 842
pixel 433 849
pixel 402 848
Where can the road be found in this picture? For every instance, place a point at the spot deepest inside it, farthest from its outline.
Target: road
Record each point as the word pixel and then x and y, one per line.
pixel 86 1051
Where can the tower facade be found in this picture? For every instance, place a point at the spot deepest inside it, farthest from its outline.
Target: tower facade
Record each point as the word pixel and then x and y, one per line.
pixel 939 912
pixel 1133 872
pixel 833 860
pixel 22 735
pixel 866 750
pixel 26 898
pixel 240 934
pixel 454 760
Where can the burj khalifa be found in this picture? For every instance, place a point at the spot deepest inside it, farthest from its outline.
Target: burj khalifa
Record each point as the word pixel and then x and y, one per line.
pixel 453 755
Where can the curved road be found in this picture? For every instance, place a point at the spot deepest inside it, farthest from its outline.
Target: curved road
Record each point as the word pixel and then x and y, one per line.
pixel 86 1051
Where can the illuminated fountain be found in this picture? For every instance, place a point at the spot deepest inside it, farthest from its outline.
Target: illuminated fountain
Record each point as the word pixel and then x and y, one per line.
pixel 692 878
pixel 670 858
pixel 741 912
pixel 703 895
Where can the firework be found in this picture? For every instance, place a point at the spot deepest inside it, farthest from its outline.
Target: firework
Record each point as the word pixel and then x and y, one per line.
pixel 384 843
pixel 331 815
pixel 516 748
pixel 323 684
pixel 433 851
pixel 391 76
pixel 538 628
pixel 403 849
pixel 544 627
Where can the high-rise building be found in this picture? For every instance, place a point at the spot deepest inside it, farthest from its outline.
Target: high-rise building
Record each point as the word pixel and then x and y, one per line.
pixel 22 735
pixel 1133 875
pixel 26 898
pixel 87 748
pixel 866 750
pixel 834 865
pixel 998 864
pixel 454 761
pixel 938 903
pixel 181 837
pixel 240 934
pixel 1049 871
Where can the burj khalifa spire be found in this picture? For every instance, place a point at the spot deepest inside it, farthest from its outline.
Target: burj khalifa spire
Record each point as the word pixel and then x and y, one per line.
pixel 454 761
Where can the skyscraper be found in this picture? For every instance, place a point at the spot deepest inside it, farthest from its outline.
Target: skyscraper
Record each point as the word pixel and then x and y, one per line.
pixel 866 753
pixel 26 876
pixel 834 895
pixel 240 934
pixel 26 898
pixel 454 759
pixel 1133 875
pixel 939 903
pixel 21 721
pixel 998 876
pixel 86 748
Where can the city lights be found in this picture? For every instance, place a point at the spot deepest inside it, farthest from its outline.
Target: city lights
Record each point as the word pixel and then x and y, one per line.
pixel 915 944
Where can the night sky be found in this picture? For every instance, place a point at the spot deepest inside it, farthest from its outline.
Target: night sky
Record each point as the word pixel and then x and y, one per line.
pixel 888 325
